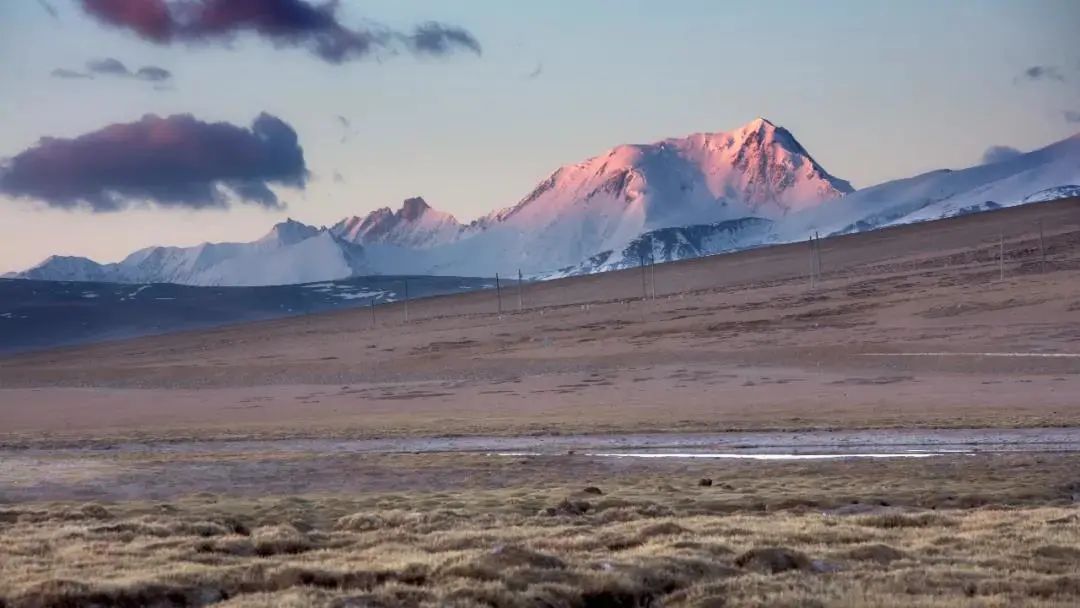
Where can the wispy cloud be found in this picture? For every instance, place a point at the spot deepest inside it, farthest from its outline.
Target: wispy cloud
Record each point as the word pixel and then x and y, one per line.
pixel 49 8
pixel 110 66
pixel 1042 72
pixel 347 130
pixel 537 72
pixel 70 74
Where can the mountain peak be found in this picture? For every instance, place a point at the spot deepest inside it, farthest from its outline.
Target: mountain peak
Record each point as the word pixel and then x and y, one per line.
pixel 413 208
pixel 289 232
pixel 415 224
pixel 758 123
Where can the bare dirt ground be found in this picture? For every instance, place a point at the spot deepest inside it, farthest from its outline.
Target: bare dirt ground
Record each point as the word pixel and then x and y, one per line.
pixel 896 335
pixel 330 461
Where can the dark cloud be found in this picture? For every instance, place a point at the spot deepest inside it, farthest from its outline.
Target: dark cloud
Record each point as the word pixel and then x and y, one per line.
pixel 152 73
pixel 285 23
pixel 997 154
pixel 66 73
pixel 49 8
pixel 1042 72
pixel 1072 116
pixel 433 38
pixel 177 161
pixel 109 66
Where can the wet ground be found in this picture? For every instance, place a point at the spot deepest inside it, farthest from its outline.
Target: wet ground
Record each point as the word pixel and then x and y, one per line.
pixel 160 471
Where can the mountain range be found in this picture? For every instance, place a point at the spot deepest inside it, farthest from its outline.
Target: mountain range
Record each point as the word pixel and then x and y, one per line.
pixel 674 199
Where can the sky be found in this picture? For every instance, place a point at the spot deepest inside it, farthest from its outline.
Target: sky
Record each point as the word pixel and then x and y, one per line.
pixel 376 105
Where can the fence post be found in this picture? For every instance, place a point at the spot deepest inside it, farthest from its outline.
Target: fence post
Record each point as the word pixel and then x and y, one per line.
pixel 406 300
pixel 1042 249
pixel 520 301
pixel 371 304
pixel 813 264
pixel 1001 256
pixel 498 292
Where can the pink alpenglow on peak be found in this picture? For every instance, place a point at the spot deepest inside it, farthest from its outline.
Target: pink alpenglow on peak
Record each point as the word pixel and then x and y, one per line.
pixel 758 170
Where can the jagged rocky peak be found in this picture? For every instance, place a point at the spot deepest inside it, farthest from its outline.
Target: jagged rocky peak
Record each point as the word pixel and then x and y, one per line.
pixel 413 208
pixel 290 231
pixel 415 224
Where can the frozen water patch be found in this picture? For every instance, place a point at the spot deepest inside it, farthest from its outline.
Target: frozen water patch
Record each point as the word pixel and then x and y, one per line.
pixel 751 456
pixel 131 296
pixel 995 354
pixel 359 295
pixel 732 456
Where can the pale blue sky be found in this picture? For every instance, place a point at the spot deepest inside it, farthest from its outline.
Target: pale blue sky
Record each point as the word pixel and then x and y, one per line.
pixel 874 90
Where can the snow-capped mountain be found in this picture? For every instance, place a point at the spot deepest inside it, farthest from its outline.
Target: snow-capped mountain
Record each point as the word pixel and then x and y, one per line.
pixel 70 268
pixel 415 225
pixel 290 253
pixel 605 202
pixel 674 199
pixel 1044 174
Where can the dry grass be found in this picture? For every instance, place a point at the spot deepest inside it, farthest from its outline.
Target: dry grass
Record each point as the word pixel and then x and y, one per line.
pixel 648 538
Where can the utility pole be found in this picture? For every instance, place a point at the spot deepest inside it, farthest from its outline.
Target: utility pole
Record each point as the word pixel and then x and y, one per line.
pixel 644 290
pixel 652 279
pixel 520 300
pixel 406 300
pixel 1042 249
pixel 498 292
pixel 813 264
pixel 817 253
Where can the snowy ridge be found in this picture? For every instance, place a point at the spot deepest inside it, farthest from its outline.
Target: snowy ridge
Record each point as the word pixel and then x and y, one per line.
pixel 415 225
pixel 1043 174
pixel 290 253
pixel 681 243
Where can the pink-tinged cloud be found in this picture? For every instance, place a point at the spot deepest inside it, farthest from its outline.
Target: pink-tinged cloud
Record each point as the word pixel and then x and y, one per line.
pixel 150 19
pixel 285 23
pixel 177 161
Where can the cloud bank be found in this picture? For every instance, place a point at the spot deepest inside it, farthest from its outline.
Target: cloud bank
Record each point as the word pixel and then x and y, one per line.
pixel 997 154
pixel 177 161
pixel 284 23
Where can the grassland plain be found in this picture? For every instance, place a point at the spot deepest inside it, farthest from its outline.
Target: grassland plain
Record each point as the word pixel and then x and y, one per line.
pixel 994 530
pixel 910 328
